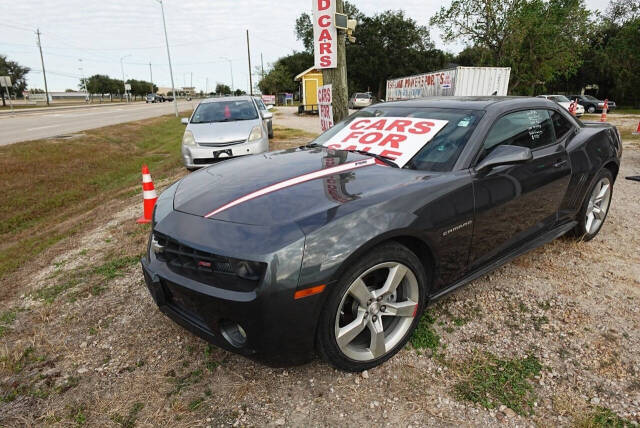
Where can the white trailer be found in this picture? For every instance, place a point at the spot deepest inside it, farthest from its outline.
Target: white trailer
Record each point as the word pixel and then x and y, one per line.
pixel 459 81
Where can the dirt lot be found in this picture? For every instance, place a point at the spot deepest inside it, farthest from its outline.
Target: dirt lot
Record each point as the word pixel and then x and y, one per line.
pixel 550 339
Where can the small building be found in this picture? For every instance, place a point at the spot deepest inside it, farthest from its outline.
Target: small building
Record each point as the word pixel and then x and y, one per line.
pixel 311 80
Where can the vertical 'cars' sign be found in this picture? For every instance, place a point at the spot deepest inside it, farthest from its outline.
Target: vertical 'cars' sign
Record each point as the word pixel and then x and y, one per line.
pixel 324 34
pixel 325 98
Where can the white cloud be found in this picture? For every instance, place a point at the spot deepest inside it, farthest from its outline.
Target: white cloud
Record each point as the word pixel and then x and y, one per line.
pixel 200 32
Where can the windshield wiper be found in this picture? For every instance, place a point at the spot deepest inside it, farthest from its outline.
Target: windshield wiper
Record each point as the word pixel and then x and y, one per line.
pixel 385 159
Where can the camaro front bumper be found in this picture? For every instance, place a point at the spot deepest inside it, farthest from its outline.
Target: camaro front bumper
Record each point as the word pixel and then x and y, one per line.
pixel 279 330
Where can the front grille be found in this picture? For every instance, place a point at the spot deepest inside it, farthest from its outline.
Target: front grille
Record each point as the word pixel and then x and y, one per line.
pixel 227 143
pixel 201 266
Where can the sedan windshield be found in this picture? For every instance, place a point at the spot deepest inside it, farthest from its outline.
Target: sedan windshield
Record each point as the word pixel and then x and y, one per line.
pixel 560 99
pixel 224 111
pixel 591 98
pixel 439 154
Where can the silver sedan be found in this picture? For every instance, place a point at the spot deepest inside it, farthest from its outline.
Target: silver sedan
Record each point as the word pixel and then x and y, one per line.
pixel 222 128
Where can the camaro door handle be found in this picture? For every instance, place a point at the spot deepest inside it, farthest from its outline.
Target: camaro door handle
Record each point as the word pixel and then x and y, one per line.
pixel 560 164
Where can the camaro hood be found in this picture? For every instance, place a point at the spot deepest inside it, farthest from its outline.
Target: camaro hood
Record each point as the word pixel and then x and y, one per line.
pixel 288 186
pixel 222 132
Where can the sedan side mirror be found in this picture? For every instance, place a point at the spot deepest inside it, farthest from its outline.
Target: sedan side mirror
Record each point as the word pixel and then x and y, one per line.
pixel 185 120
pixel 267 115
pixel 270 106
pixel 505 155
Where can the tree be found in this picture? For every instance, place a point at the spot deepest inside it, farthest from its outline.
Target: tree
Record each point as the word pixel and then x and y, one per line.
pixel 17 73
pixel 280 78
pixel 222 89
pixel 540 40
pixel 239 92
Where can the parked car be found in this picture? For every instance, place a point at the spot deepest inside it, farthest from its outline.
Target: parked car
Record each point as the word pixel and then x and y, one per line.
pixel 591 104
pixel 564 102
pixel 222 128
pixel 332 249
pixel 361 100
pixel 154 98
pixel 266 114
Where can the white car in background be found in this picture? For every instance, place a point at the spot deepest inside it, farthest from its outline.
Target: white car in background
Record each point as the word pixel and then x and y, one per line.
pixel 564 102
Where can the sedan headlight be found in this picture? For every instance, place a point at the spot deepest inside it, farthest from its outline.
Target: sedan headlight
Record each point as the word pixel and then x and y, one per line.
pixel 256 134
pixel 188 139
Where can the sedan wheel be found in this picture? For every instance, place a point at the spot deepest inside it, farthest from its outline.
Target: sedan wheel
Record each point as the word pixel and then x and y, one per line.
pixel 591 109
pixel 373 310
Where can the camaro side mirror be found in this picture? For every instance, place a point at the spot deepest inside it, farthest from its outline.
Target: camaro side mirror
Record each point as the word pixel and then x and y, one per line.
pixel 267 115
pixel 185 120
pixel 505 155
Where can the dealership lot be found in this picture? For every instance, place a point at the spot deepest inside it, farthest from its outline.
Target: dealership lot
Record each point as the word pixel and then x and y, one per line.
pixel 81 336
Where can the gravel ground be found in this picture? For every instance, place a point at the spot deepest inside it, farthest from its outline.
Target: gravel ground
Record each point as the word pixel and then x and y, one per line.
pixel 110 358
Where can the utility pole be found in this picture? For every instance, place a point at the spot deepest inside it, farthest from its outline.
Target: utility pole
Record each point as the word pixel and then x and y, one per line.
pixel 84 81
pixel 191 81
pixel 44 73
pixel 249 57
pixel 151 74
pixel 206 87
pixel 262 64
pixel 166 38
pixel 337 77
pixel 124 84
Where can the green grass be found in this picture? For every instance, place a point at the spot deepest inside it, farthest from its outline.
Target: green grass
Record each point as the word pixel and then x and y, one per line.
pixel 425 337
pixel 48 182
pixel 601 417
pixel 51 293
pixel 113 268
pixel 128 421
pixel 6 320
pixel 282 133
pixel 491 382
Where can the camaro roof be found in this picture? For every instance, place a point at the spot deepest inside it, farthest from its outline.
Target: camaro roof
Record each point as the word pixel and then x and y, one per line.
pixel 472 103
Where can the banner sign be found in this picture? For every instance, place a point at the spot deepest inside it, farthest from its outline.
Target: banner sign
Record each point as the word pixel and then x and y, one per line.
pixel 398 138
pixel 422 85
pixel 324 34
pixel 325 110
pixel 269 99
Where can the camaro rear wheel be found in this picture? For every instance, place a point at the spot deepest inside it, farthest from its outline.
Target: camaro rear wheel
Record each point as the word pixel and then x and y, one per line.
pixel 373 309
pixel 595 207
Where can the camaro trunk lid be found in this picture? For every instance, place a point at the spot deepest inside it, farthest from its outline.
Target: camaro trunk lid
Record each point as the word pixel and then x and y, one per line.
pixel 286 186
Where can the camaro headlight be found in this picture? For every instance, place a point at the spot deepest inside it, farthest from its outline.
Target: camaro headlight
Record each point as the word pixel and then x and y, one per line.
pixel 188 139
pixel 256 133
pixel 164 204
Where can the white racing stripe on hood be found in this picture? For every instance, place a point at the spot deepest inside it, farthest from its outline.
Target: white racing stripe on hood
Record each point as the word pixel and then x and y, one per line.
pixel 293 181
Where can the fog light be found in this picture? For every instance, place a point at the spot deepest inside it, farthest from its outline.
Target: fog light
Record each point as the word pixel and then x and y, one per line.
pixel 233 333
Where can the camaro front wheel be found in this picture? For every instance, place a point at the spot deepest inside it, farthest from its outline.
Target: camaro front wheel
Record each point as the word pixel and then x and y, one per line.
pixel 373 309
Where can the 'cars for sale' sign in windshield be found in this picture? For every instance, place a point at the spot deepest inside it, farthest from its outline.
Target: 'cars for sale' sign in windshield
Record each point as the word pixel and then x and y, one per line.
pixel 324 34
pixel 398 138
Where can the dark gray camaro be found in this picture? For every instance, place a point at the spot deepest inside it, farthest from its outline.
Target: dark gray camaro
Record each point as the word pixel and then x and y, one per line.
pixel 283 255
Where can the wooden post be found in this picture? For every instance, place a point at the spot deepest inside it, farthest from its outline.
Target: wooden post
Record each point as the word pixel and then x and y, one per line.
pixel 337 77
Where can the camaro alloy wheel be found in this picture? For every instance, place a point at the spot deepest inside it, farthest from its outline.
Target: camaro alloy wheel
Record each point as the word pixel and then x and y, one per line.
pixel 377 309
pixel 596 206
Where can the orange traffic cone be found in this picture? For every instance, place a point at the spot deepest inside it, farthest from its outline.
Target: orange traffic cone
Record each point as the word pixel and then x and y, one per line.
pixel 603 118
pixel 637 130
pixel 149 195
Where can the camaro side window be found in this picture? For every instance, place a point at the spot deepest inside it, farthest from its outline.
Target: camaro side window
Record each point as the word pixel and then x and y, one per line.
pixel 561 124
pixel 526 128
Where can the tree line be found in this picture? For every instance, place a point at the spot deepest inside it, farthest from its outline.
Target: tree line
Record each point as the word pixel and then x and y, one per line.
pixel 550 45
pixel 104 85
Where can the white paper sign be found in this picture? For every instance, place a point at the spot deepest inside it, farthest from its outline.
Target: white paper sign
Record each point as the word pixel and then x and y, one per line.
pixel 5 81
pixel 325 110
pixel 324 34
pixel 398 138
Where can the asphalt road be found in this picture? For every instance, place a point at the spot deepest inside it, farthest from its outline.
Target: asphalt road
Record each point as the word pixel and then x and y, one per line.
pixel 45 124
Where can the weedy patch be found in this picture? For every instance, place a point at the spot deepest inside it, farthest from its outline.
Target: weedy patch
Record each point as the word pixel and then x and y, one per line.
pixel 6 320
pixel 128 421
pixel 603 417
pixel 491 381
pixel 182 382
pixel 425 337
pixel 113 268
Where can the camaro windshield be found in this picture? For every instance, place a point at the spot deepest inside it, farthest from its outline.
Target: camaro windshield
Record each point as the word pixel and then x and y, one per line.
pixel 438 154
pixel 224 111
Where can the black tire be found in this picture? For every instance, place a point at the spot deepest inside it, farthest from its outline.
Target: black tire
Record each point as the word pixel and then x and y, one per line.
pixel 580 231
pixel 591 109
pixel 271 132
pixel 327 345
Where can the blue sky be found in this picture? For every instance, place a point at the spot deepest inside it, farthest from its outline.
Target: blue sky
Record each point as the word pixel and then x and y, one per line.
pixel 93 35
